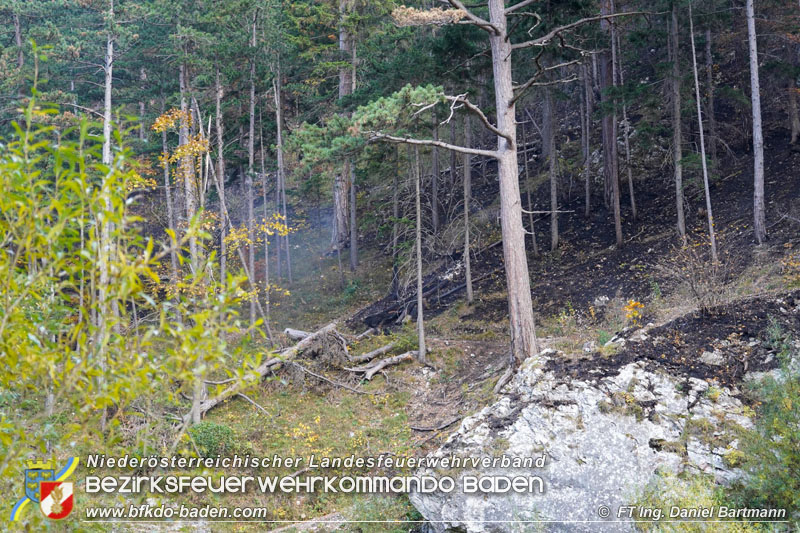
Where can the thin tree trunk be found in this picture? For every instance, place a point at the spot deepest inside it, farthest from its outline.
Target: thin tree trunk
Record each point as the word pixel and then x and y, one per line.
pixel 223 231
pixel 18 41
pixel 353 220
pixel 188 168
pixel 615 193
pixel 340 208
pixel 267 287
pixel 173 256
pixel 587 137
pixel 251 256
pixel 710 113
pixel 711 232
pixel 467 196
pixel 105 252
pixel 550 142
pixel 422 350
pixel 395 221
pixel 435 179
pixel 143 79
pixel 547 125
pixel 794 116
pixel 526 166
pixel 759 213
pixel 677 151
pixel 281 181
pixel 339 221
pixel 453 160
pixel 628 161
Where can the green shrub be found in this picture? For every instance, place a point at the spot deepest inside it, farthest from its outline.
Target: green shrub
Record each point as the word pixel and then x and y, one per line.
pixel 212 438
pixel 668 491
pixel 772 449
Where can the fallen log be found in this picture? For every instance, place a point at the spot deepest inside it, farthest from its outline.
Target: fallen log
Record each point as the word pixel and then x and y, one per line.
pixel 373 354
pixel 366 333
pixel 296 334
pixel 261 371
pixel 370 370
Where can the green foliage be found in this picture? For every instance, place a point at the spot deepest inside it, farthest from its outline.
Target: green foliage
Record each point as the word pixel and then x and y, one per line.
pixel 78 366
pixel 379 509
pixel 668 491
pixel 212 438
pixel 603 337
pixel 772 449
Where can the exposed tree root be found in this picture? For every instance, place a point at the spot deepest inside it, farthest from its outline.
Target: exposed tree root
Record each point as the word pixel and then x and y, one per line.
pixel 505 378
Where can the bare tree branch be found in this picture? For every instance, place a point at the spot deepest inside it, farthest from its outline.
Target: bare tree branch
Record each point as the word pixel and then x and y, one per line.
pixel 522 4
pixel 377 136
pixel 476 110
pixel 546 38
pixel 532 82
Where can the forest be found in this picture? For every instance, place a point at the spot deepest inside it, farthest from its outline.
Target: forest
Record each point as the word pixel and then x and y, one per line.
pixel 557 230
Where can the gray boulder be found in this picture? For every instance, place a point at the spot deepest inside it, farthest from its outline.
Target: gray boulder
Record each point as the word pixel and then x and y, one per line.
pixel 604 438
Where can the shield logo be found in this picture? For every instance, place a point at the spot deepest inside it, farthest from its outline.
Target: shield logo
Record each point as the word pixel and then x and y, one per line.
pixel 33 478
pixel 57 499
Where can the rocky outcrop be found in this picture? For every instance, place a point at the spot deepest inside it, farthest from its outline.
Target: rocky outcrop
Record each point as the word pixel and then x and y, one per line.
pixel 604 437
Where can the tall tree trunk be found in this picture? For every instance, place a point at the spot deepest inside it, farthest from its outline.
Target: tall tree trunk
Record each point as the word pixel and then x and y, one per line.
pixel 628 161
pixel 615 193
pixel 173 255
pixel 422 350
pixel 267 287
pixel 547 125
pixel 105 249
pixel 18 41
pixel 711 232
pixel 794 115
pixel 352 178
pixel 710 113
pixel 587 137
pixel 223 229
pixel 610 160
pixel 187 171
pixel 353 219
pixel 520 306
pixel 677 150
pixel 453 160
pixel 395 222
pixel 187 166
pixel 340 190
pixel 467 197
pixel 435 179
pixel 550 142
pixel 251 252
pixel 277 84
pixel 526 166
pixel 143 79
pixel 759 214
